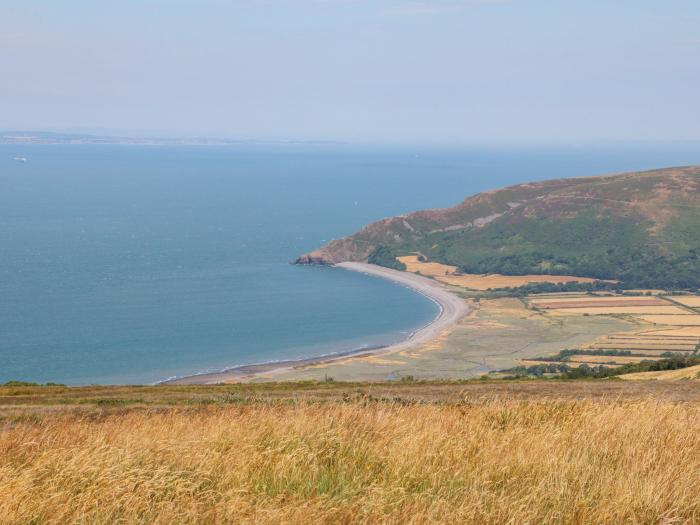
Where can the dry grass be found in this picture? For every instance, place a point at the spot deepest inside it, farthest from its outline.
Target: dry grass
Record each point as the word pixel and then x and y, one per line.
pixel 587 300
pixel 643 345
pixel 670 311
pixel 653 339
pixel 648 342
pixel 655 354
pixel 692 372
pixel 430 269
pixel 673 320
pixel 691 301
pixel 570 363
pixel 493 281
pixel 676 332
pixel 605 359
pixel 495 460
pixel 603 302
pixel 445 273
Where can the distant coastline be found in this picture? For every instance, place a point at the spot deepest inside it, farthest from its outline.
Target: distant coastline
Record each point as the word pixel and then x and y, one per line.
pixel 452 309
pixel 19 138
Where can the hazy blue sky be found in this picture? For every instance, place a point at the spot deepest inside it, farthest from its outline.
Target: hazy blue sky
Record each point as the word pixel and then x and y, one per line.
pixel 434 70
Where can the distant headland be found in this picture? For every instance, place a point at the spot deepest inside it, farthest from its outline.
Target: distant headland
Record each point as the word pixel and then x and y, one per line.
pixel 634 230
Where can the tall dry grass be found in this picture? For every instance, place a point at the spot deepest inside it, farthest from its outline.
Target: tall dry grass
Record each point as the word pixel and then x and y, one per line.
pixel 482 462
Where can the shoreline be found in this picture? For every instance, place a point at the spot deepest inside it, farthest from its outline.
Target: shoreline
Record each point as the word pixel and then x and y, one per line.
pixel 451 309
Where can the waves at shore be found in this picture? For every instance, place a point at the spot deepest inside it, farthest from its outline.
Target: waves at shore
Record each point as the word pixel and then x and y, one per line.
pixel 451 309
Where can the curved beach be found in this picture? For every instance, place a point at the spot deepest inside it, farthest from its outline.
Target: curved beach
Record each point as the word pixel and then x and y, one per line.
pixel 452 309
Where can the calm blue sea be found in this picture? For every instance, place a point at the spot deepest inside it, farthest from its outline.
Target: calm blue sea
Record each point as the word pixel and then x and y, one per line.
pixel 135 264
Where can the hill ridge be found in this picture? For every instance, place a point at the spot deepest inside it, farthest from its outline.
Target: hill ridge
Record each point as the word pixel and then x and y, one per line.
pixel 641 228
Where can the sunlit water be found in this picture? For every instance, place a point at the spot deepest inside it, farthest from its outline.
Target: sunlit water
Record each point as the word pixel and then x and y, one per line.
pixel 135 264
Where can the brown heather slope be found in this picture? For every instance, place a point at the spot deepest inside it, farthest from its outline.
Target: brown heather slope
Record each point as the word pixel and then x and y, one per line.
pixel 474 212
pixel 543 228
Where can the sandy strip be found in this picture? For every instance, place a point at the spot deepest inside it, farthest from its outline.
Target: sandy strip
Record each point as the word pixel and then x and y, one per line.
pixel 452 309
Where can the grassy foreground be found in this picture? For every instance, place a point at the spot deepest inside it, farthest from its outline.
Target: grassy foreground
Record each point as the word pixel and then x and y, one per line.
pixel 583 452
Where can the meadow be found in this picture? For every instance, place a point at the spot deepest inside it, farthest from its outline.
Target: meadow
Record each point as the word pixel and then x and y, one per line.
pixel 479 452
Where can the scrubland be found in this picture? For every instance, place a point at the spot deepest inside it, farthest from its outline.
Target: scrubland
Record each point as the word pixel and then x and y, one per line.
pixel 533 452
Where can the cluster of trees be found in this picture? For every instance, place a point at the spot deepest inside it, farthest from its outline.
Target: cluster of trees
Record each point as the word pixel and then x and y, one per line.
pixel 673 363
pixel 633 268
pixel 573 286
pixel 601 371
pixel 564 355
pixel 383 256
pixel 585 245
pixel 536 370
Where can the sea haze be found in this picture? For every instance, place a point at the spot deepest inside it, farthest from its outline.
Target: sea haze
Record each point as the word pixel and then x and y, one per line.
pixel 130 264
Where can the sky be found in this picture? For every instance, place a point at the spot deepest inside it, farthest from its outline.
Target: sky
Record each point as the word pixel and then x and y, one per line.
pixel 434 71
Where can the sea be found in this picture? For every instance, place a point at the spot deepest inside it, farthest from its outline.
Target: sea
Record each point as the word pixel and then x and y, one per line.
pixel 135 264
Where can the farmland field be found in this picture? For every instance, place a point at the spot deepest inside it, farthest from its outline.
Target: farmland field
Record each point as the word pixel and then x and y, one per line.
pixel 581 300
pixel 673 311
pixel 605 302
pixel 644 345
pixel 503 333
pixel 497 334
pixel 605 359
pixel 644 350
pixel 570 364
pixel 692 301
pixel 446 274
pixel 692 372
pixel 673 320
pixel 675 332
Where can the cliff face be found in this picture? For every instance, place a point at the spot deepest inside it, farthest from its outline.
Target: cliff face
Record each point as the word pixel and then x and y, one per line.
pixel 611 227
pixel 355 248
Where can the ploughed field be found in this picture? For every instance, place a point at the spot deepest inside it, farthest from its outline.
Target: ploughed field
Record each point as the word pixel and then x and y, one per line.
pixel 482 452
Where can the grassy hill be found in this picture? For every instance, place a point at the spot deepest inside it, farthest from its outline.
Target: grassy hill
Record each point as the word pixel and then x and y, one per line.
pixel 642 229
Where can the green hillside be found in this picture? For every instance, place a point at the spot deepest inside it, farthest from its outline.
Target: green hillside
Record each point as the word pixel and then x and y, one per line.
pixel 642 229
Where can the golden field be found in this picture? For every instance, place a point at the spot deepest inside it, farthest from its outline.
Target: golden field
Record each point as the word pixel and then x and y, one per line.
pixel 692 372
pixel 692 301
pixel 671 311
pixel 607 305
pixel 647 346
pixel 675 332
pixel 646 352
pixel 605 359
pixel 571 363
pixel 545 452
pixel 446 274
pixel 673 320
pixel 583 300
